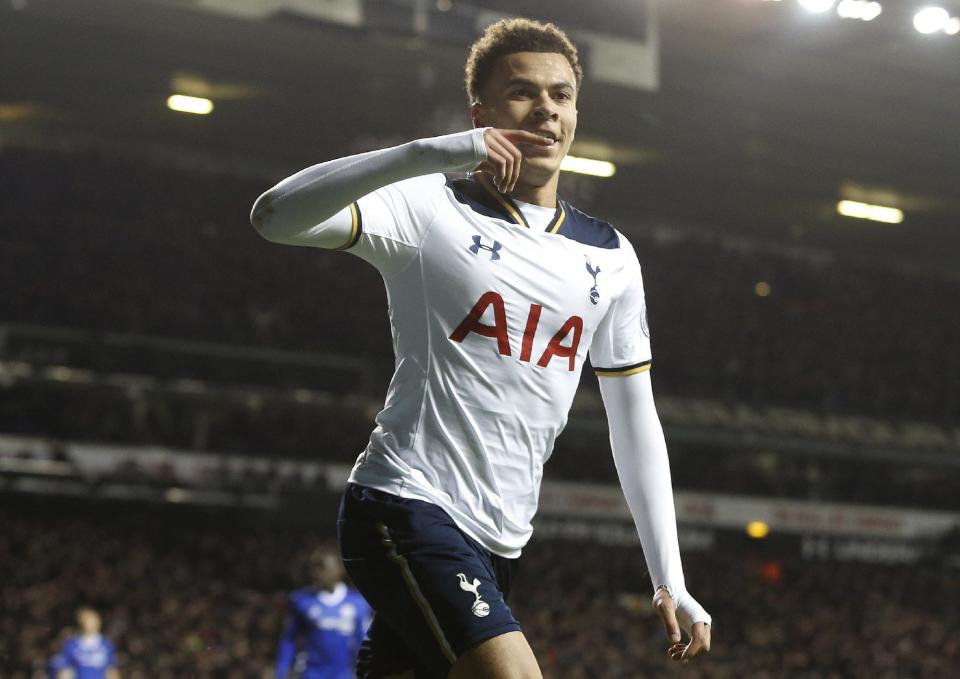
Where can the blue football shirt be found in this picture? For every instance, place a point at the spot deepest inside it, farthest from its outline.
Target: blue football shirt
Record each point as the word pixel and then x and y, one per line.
pixel 322 633
pixel 89 656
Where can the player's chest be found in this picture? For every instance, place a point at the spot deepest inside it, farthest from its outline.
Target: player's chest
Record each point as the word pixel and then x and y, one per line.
pixel 464 260
pixel 336 618
pixel 90 657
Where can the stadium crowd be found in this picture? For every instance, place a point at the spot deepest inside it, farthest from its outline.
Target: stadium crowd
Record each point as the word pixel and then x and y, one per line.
pixel 119 246
pixel 194 594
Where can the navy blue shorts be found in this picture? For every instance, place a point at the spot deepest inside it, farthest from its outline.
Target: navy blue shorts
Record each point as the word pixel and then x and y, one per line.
pixel 437 592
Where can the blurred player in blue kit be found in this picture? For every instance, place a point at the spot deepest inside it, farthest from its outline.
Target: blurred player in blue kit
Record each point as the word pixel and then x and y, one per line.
pixel 325 625
pixel 497 291
pixel 87 655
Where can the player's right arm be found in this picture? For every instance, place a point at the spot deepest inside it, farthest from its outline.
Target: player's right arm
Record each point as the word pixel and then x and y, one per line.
pixel 364 618
pixel 315 206
pixel 287 648
pixel 65 668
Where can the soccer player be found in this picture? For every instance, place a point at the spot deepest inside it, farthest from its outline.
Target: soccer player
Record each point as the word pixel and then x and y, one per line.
pixel 88 655
pixel 326 623
pixel 497 291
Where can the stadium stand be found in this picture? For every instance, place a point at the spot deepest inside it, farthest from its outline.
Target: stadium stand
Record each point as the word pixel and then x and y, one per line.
pixel 831 335
pixel 217 581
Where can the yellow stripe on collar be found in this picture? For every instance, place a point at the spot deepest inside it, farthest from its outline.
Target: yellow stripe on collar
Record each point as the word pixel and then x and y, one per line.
pixel 563 215
pixel 512 211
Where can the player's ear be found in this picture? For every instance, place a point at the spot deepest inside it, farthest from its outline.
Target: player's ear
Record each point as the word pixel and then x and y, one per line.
pixel 476 114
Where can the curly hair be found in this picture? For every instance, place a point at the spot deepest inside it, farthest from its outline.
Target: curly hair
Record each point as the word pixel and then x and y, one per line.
pixel 509 36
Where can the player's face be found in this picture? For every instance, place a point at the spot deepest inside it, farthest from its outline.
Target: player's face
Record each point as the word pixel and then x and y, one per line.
pixel 326 570
pixel 532 91
pixel 89 621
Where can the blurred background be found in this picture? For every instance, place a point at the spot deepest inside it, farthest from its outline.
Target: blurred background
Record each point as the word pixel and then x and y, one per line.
pixel 180 401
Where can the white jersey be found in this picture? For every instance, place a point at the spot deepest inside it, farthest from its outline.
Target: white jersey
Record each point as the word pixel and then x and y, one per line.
pixel 492 321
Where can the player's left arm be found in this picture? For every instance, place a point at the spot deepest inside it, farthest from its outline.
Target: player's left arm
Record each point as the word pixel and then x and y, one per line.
pixel 364 618
pixel 640 454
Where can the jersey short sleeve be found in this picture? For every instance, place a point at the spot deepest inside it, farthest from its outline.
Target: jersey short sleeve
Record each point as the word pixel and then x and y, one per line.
pixel 391 223
pixel 621 344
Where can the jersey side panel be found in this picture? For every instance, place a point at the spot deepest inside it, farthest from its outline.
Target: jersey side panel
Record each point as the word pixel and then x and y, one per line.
pixel 621 345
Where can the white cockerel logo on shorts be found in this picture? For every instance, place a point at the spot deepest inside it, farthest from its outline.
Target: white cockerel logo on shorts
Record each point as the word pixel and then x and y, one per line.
pixel 481 608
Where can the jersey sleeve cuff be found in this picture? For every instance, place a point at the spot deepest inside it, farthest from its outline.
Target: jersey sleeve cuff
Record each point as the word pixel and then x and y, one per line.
pixel 480 143
pixel 356 227
pixel 623 371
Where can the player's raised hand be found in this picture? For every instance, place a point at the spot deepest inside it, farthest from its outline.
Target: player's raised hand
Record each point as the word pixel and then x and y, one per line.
pixel 693 617
pixel 503 156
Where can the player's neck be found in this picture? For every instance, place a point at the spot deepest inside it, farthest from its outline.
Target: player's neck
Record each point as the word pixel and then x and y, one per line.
pixel 545 195
pixel 328 588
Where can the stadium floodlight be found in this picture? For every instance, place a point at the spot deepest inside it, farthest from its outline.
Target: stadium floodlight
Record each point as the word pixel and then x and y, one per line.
pixel 875 213
pixel 859 9
pixel 185 104
pixel 594 168
pixel 931 19
pixel 817 6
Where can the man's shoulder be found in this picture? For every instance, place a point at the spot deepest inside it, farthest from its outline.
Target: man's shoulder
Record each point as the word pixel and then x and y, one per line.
pixel 301 594
pixel 588 230
pixel 416 186
pixel 356 598
pixel 421 191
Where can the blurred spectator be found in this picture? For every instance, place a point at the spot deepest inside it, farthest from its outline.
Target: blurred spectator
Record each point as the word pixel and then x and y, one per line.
pixel 326 622
pixel 88 654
